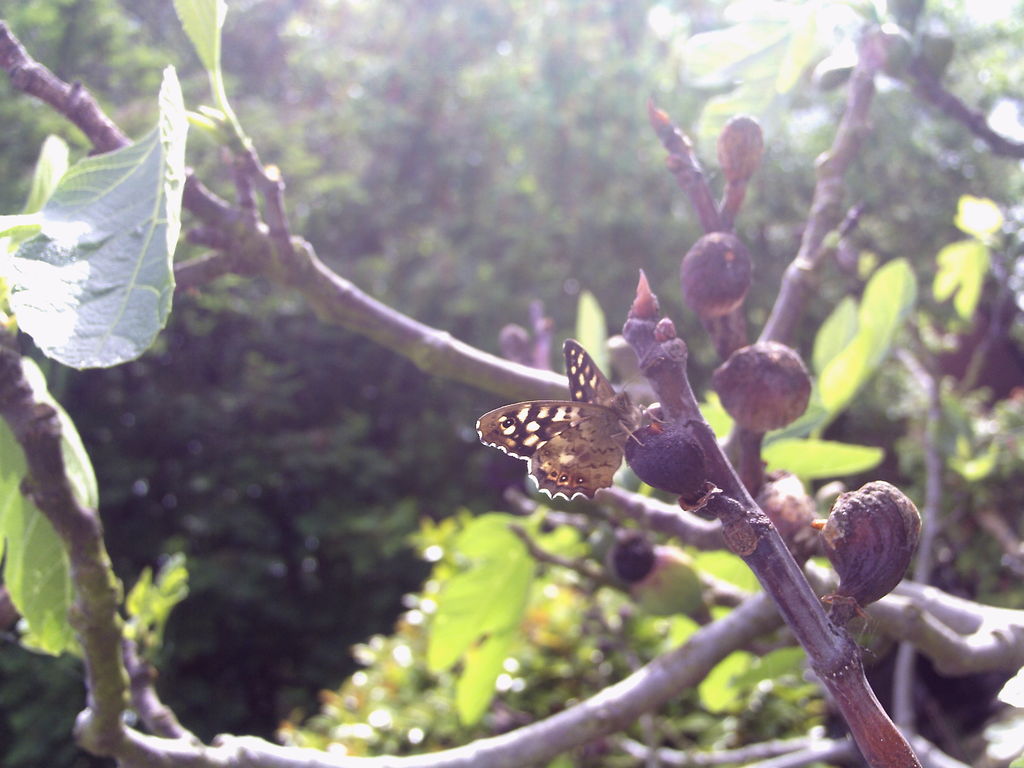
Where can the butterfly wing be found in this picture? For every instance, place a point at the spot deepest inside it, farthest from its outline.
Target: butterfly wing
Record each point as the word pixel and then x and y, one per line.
pixel 582 459
pixel 521 429
pixel 586 382
pixel 573 448
pixel 566 444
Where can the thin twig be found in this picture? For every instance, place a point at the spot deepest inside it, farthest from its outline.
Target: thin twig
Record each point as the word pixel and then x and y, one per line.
pixel 582 566
pixel 157 716
pixel 609 711
pixel 929 89
pixel 903 675
pixel 764 752
pixel 826 205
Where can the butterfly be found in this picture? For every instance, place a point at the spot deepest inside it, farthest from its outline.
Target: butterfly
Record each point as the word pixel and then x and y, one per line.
pixel 573 447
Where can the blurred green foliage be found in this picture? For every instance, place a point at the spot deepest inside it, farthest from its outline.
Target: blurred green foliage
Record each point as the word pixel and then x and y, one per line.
pixel 456 159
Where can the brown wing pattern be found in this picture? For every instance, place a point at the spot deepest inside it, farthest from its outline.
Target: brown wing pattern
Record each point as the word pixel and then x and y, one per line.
pixel 573 448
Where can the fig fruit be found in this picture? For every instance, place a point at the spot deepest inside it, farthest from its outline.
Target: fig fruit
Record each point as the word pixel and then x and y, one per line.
pixel 666 456
pixel 791 511
pixel 660 578
pixel 715 274
pixel 740 147
pixel 764 386
pixel 869 537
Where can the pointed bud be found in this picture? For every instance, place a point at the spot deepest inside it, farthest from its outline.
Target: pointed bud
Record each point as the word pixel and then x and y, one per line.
pixel 645 305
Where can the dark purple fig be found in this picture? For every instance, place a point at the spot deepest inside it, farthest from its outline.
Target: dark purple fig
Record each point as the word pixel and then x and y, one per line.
pixel 660 578
pixel 869 537
pixel 715 274
pixel 666 456
pixel 764 386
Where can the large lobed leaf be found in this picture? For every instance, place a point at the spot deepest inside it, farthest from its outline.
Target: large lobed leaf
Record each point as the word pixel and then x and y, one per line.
pixel 94 287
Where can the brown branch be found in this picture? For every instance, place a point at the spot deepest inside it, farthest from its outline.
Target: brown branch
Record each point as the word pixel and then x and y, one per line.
pixel 157 716
pixel 70 100
pixel 929 89
pixel 585 568
pixel 335 299
pixel 683 164
pixel 605 713
pixel 748 532
pixel 669 519
pixel 94 611
pixel 826 205
pixel 801 751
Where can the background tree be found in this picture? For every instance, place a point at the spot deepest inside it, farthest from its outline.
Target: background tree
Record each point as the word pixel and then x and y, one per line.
pixel 533 125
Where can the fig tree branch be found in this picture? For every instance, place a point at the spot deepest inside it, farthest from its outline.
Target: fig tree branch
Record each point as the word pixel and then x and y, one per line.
pixel 97 593
pixel 826 205
pixel 929 89
pixel 806 749
pixel 749 533
pixel 605 713
pixel 253 249
pixel 928 381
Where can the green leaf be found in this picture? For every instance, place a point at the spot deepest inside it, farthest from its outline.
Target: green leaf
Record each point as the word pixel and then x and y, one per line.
pixel 845 374
pixel 475 687
pixel 801 48
pixel 975 468
pixel 203 21
pixel 715 415
pixel 718 691
pixel 835 333
pixel 591 329
pixel 20 227
pixel 94 288
pixel 962 269
pixel 774 664
pixel 488 597
pixel 50 167
pixel 816 459
pixel 36 571
pixel 727 567
pixel 978 216
pixel 150 601
pixel 888 298
pixel 748 51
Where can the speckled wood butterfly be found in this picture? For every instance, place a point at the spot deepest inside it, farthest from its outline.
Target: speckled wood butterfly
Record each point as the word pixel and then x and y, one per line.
pixel 573 448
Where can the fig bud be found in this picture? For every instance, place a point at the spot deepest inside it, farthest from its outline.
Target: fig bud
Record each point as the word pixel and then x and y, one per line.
pixel 869 537
pixel 660 578
pixel 764 386
pixel 665 455
pixel 791 511
pixel 740 147
pixel 715 274
pixel 514 342
pixel 896 47
pixel 936 51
